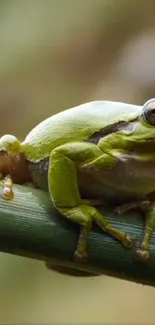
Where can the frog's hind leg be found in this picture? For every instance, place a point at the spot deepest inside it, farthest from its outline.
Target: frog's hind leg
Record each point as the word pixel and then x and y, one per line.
pixel 63 187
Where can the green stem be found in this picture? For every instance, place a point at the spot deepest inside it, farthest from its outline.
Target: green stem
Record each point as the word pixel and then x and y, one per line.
pixel 31 227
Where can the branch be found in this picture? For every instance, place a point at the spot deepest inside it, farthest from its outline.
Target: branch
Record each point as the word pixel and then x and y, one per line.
pixel 31 227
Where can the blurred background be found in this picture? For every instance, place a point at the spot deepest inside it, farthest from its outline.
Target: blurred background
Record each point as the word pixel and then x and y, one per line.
pixel 55 55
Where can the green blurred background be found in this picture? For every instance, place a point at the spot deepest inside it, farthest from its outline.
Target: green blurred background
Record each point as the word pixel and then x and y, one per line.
pixel 55 55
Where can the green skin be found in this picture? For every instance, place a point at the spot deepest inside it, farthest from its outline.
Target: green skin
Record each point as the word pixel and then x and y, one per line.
pixel 98 150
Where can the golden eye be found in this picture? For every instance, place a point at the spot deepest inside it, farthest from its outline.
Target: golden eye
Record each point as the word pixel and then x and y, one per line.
pixel 149 111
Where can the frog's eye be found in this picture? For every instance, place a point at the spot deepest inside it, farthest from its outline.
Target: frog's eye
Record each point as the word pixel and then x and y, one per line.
pixel 149 111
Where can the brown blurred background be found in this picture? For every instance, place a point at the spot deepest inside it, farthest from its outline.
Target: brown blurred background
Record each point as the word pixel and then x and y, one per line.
pixel 54 55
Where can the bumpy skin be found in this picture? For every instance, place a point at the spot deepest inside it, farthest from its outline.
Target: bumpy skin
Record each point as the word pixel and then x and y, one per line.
pixel 98 150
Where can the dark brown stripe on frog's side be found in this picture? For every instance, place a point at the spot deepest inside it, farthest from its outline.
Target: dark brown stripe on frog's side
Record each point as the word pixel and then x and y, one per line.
pixel 39 170
pixel 112 128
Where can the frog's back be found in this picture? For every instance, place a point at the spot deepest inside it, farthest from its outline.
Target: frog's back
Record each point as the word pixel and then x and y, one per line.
pixel 75 124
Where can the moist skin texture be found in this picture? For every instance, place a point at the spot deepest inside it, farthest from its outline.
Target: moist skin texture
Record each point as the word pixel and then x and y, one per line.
pixel 110 184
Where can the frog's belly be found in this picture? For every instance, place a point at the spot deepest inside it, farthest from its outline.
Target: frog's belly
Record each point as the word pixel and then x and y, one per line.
pixel 125 181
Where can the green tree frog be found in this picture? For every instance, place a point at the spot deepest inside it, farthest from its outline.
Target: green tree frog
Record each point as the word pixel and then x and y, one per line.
pixel 100 150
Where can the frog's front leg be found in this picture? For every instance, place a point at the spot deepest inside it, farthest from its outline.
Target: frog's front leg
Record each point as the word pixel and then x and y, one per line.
pixel 63 187
pixel 141 205
pixel 143 251
pixel 148 209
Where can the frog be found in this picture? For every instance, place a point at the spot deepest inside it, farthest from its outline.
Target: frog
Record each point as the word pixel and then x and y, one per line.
pixel 96 151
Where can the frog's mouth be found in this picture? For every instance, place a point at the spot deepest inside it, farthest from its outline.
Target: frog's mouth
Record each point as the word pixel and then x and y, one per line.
pixel 150 140
pixel 144 141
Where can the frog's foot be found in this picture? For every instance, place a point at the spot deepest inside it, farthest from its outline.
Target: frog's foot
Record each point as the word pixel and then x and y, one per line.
pixel 80 256
pixel 142 205
pixel 127 241
pixel 7 192
pixel 142 255
pixel 84 215
pixel 143 251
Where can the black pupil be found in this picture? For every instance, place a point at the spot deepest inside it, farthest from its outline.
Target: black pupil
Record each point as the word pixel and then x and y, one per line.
pixel 153 111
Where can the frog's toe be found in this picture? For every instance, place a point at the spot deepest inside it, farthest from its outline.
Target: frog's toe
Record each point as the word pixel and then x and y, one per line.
pixel 142 255
pixel 7 194
pixel 118 210
pixel 127 241
pixel 121 209
pixel 80 256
